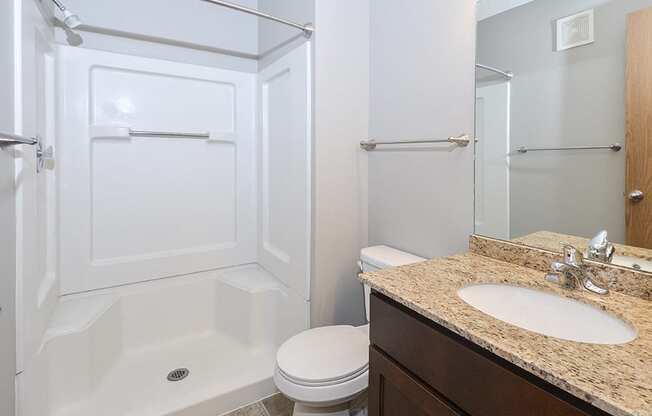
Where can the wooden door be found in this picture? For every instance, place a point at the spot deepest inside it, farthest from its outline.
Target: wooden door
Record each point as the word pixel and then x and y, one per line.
pixel 638 176
pixel 394 392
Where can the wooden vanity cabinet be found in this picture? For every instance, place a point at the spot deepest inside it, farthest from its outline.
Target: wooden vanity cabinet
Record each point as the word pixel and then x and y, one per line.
pixel 417 367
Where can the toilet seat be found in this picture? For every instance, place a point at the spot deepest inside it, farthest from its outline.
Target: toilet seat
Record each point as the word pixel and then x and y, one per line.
pixel 324 365
pixel 324 356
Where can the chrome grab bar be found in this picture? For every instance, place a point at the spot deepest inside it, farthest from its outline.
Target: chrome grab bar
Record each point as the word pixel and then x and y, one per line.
pixel 171 134
pixel 8 139
pixel 43 155
pixel 524 149
pixel 370 144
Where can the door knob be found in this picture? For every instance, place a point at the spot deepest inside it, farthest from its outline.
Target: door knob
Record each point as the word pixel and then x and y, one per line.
pixel 636 195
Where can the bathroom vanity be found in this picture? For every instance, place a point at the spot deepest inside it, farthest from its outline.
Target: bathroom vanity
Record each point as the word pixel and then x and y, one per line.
pixel 433 354
pixel 418 367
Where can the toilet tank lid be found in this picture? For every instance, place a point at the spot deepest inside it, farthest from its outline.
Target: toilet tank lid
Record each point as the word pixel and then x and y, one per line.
pixel 384 256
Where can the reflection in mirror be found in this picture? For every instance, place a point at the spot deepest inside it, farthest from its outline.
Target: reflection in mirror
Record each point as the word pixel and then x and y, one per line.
pixel 564 126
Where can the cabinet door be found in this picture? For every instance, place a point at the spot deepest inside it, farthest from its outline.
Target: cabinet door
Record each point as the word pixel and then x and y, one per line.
pixel 394 392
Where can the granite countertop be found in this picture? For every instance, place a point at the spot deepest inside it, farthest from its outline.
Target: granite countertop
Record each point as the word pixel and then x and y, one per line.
pixel 614 378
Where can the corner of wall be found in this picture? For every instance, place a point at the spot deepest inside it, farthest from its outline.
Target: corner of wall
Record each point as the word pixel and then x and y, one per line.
pixel 341 121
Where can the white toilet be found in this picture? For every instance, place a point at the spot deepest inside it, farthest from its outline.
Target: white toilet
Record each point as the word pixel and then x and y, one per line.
pixel 323 369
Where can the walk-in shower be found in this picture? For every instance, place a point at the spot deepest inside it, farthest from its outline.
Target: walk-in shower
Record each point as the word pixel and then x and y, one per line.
pixel 178 224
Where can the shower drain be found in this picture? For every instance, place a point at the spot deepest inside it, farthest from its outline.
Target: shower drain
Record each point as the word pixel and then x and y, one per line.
pixel 178 374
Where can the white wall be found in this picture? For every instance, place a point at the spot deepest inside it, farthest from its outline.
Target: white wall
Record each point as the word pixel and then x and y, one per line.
pixel 183 31
pixel 341 120
pixel 7 215
pixel 422 85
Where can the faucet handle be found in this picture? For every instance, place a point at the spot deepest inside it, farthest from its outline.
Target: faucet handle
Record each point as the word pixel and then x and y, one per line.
pixel 572 255
pixel 600 239
pixel 600 248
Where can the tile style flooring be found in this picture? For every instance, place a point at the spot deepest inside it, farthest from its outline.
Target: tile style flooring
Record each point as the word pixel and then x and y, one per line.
pixel 276 405
pixel 279 405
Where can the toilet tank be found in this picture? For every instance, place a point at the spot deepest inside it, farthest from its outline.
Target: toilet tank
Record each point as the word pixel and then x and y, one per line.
pixel 382 257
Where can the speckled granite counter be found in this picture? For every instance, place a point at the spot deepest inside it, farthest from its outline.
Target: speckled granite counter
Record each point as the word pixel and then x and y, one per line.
pixel 615 378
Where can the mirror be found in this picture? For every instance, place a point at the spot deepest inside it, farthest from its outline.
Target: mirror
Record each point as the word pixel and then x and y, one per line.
pixel 564 126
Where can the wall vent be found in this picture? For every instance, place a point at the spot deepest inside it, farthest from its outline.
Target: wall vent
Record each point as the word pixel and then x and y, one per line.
pixel 576 30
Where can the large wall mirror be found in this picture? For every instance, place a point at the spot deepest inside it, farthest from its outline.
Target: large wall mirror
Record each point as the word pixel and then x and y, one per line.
pixel 564 126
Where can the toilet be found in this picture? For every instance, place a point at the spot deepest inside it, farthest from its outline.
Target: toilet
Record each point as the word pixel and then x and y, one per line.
pixel 323 369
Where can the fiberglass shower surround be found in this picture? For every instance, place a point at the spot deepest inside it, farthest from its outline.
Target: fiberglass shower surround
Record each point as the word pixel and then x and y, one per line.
pixel 183 230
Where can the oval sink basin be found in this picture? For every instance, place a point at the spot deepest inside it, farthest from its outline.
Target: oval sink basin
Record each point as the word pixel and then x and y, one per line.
pixel 548 314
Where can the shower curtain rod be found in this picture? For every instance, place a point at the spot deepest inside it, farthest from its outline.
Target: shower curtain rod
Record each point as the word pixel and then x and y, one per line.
pixel 307 28
pixel 506 74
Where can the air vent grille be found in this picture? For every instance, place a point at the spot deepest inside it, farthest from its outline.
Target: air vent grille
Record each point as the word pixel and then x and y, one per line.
pixel 576 30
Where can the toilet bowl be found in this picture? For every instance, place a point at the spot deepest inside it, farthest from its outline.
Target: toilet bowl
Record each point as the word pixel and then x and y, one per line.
pixel 324 369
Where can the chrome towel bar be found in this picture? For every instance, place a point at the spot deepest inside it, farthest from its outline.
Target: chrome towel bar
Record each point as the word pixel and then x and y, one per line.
pixel 370 144
pixel 524 149
pixel 170 134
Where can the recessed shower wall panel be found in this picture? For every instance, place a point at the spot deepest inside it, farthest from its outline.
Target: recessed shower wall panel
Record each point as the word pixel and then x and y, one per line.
pixel 284 152
pixel 139 208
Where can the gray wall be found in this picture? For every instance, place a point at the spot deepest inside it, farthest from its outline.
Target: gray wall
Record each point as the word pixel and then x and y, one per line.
pixel 185 31
pixel 422 85
pixel 7 216
pixel 574 97
pixel 341 48
pixel 274 39
pixel 194 22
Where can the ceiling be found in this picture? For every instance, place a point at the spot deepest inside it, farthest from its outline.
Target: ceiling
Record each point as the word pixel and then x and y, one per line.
pixel 488 8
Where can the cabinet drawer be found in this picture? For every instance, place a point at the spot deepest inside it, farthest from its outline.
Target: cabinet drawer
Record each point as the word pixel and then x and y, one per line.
pixel 476 381
pixel 394 392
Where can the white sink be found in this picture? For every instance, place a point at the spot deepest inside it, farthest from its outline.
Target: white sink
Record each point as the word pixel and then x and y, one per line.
pixel 548 314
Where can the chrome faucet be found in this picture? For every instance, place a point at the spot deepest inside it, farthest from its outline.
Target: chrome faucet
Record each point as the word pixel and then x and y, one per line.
pixel 600 248
pixel 571 274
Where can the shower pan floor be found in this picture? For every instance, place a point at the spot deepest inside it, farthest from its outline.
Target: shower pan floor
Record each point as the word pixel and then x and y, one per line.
pixel 223 373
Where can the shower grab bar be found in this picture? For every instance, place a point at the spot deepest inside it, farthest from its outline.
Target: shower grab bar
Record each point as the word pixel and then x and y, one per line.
pixel 98 131
pixel 524 149
pixel 169 134
pixel 44 155
pixel 370 144
pixel 8 139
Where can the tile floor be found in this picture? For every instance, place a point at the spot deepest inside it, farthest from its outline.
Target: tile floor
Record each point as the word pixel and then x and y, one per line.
pixel 276 405
pixel 279 405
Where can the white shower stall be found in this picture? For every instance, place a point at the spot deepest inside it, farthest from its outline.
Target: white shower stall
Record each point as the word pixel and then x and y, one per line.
pixel 179 220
